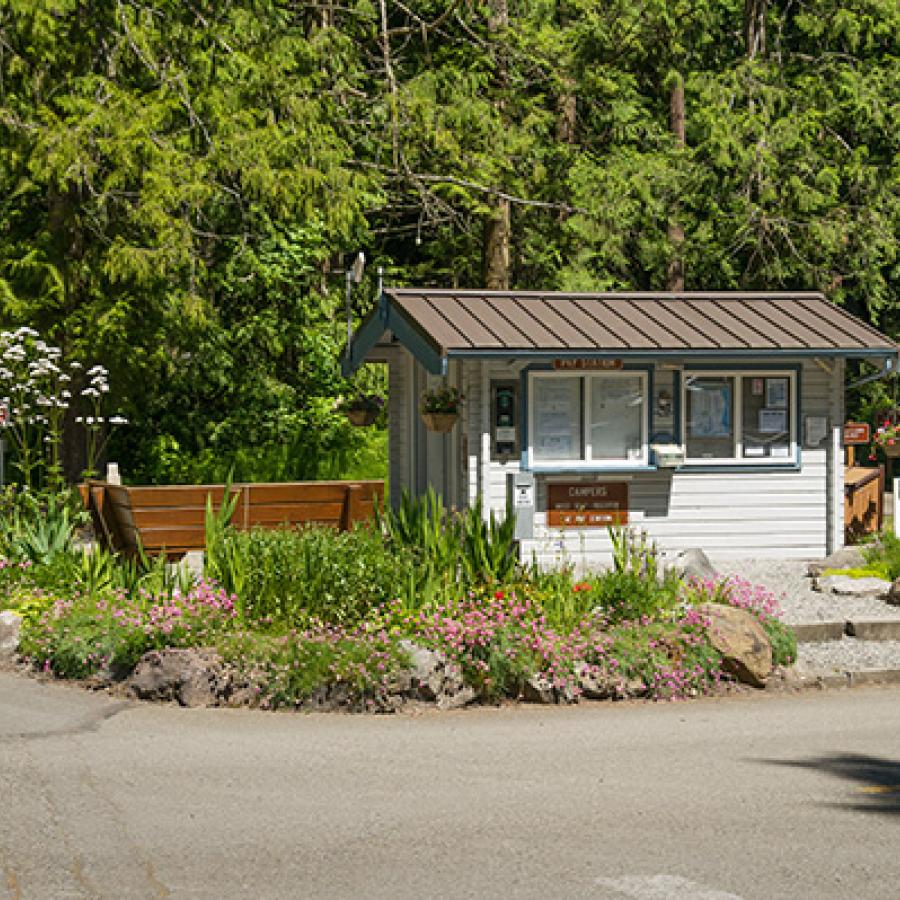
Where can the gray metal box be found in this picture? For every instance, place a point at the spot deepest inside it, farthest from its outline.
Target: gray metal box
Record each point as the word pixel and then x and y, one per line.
pixel 520 491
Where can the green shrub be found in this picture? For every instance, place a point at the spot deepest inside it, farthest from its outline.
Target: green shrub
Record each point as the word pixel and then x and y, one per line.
pixel 286 670
pixel 884 557
pixel 454 551
pixel 629 595
pixel 78 637
pixel 293 576
pixel 783 641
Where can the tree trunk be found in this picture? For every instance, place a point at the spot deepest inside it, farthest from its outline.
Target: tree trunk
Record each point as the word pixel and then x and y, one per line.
pixel 675 269
pixel 496 247
pixel 497 226
pixel 755 27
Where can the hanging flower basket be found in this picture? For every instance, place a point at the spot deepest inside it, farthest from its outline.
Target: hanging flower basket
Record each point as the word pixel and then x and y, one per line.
pixel 363 410
pixel 887 438
pixel 442 423
pixel 440 408
pixel 361 417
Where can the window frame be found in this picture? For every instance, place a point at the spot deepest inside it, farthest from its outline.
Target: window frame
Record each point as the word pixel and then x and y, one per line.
pixel 584 462
pixel 738 376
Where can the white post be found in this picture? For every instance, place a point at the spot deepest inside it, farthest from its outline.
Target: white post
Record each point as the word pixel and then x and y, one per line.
pixel 896 502
pixel 112 473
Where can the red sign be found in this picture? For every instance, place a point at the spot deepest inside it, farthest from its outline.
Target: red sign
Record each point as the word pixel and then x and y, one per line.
pixel 857 433
pixel 586 364
pixel 582 504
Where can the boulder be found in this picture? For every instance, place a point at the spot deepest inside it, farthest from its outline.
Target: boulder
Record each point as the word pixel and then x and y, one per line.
pixel 538 689
pixel 193 677
pixel 432 677
pixel 693 563
pixel 844 586
pixel 10 627
pixel 893 594
pixel 846 558
pixel 742 641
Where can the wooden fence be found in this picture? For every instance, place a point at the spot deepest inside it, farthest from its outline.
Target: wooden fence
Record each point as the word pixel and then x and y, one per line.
pixel 863 501
pixel 170 519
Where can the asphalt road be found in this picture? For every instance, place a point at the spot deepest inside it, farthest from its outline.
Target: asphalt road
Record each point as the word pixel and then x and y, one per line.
pixel 763 797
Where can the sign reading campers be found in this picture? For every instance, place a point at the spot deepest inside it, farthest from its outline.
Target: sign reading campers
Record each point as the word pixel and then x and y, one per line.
pixel 584 504
pixel 584 365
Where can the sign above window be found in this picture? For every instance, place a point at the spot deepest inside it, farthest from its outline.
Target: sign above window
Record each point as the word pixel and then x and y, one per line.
pixel 586 365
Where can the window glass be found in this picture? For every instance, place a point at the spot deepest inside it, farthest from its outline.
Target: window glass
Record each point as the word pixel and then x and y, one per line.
pixel 710 417
pixel 557 418
pixel 766 416
pixel 617 411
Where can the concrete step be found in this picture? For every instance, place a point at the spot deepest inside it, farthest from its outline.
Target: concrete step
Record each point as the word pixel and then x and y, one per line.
pixel 872 630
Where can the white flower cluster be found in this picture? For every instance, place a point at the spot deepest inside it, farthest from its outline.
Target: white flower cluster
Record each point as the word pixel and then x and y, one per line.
pixel 37 387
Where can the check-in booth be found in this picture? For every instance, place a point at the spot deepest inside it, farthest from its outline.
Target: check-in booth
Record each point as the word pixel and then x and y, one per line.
pixel 708 420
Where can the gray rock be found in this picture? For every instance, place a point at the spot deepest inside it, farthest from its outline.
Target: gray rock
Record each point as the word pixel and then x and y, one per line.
pixel 538 689
pixel 431 677
pixel 846 558
pixel 844 586
pixel 693 563
pixel 10 629
pixel 893 595
pixel 596 685
pixel 192 677
pixel 463 697
pixel 742 641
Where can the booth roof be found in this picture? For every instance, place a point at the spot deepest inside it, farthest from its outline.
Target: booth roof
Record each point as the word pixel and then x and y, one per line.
pixel 437 324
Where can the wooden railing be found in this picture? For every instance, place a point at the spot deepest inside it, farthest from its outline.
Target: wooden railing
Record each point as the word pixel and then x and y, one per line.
pixel 170 518
pixel 863 501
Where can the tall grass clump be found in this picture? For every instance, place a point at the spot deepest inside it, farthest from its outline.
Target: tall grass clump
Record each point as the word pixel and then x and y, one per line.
pixel 291 577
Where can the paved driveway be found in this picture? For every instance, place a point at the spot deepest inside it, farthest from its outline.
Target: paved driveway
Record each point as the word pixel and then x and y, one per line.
pixel 762 797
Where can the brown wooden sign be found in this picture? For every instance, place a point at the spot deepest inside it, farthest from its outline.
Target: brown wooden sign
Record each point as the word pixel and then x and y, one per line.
pixel 857 433
pixel 585 504
pixel 580 365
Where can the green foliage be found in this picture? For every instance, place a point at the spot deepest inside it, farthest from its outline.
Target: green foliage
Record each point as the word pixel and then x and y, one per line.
pixel 291 577
pixel 884 557
pixel 631 596
pixel 453 550
pixel 783 640
pixel 181 202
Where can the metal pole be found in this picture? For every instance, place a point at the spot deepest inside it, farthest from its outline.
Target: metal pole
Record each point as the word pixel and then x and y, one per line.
pixel 349 277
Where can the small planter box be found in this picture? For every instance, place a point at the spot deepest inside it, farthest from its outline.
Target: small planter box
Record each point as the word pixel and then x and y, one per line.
pixel 668 456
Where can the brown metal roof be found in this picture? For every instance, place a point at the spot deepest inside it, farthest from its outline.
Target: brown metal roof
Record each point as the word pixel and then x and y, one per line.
pixel 468 322
pixel 436 325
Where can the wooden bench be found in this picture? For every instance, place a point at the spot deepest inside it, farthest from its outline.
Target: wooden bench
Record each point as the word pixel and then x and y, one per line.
pixel 170 518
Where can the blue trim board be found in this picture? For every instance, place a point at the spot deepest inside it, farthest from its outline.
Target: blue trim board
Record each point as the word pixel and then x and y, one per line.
pixel 386 317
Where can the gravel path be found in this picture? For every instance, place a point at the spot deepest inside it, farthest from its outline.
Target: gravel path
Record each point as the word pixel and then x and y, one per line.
pixel 802 605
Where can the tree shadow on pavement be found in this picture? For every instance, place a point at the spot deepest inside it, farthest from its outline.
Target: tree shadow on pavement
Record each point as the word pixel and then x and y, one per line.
pixel 878 779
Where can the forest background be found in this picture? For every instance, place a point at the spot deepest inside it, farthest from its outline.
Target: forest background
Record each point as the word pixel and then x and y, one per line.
pixel 183 181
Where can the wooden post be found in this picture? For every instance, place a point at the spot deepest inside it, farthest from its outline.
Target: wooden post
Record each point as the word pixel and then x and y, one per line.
pixel 352 506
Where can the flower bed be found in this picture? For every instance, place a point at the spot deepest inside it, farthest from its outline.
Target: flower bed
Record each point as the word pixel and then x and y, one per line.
pixel 363 621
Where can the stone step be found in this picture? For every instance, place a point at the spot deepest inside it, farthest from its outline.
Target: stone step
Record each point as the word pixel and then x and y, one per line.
pixel 872 630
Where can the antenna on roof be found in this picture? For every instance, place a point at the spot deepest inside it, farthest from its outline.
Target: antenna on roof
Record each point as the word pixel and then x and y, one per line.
pixel 353 275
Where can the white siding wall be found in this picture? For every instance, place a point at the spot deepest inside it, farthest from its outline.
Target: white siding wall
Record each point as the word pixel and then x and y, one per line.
pixel 728 514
